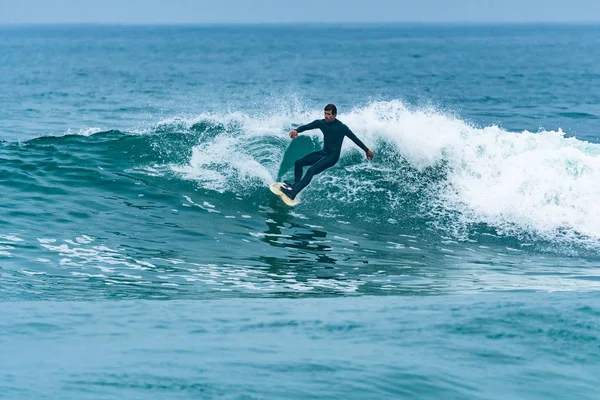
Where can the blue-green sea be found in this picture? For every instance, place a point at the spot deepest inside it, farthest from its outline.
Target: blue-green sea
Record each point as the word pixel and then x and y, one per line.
pixel 142 255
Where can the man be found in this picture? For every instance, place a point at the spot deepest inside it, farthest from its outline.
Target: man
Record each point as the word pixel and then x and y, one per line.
pixel 334 132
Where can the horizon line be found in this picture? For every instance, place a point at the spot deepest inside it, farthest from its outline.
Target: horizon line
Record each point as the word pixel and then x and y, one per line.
pixel 258 23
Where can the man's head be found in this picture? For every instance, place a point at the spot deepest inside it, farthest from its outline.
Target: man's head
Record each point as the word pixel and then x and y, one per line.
pixel 330 112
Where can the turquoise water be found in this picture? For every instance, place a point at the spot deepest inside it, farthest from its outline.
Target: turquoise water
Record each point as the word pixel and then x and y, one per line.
pixel 142 254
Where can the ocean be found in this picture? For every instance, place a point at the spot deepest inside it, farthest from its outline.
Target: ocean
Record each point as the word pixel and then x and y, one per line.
pixel 142 255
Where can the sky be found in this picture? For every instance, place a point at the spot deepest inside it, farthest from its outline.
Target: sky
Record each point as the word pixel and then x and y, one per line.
pixel 286 11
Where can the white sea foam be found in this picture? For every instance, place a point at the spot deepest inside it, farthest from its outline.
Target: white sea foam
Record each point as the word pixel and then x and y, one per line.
pixel 11 238
pixel 538 182
pixel 86 131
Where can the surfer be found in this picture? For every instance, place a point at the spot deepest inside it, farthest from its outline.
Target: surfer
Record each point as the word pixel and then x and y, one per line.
pixel 334 132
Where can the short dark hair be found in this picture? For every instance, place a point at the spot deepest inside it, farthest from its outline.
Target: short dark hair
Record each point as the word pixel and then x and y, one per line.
pixel 332 108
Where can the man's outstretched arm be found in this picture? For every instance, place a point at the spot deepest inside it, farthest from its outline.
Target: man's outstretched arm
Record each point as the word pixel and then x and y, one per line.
pixel 307 127
pixel 359 143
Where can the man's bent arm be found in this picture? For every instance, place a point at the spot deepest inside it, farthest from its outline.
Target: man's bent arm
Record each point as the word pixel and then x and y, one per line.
pixel 308 127
pixel 356 140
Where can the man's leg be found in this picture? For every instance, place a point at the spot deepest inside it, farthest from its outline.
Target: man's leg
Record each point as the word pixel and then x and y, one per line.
pixel 320 166
pixel 308 159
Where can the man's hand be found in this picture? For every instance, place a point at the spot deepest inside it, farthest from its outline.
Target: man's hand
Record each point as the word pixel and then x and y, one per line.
pixel 294 134
pixel 370 155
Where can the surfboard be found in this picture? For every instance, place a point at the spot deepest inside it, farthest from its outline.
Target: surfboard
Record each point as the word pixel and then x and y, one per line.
pixel 276 189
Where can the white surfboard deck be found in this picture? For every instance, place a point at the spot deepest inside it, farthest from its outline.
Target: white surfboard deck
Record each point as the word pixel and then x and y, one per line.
pixel 276 189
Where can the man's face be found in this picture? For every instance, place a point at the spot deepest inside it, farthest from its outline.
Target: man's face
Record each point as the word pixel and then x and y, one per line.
pixel 329 117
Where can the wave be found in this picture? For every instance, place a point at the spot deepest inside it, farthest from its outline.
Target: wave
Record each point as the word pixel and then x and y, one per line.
pixel 430 168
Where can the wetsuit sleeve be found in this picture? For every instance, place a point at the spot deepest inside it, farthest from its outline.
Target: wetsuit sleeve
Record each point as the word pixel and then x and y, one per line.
pixel 308 127
pixel 356 140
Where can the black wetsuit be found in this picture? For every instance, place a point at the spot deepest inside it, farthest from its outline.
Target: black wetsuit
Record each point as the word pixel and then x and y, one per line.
pixel 333 137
